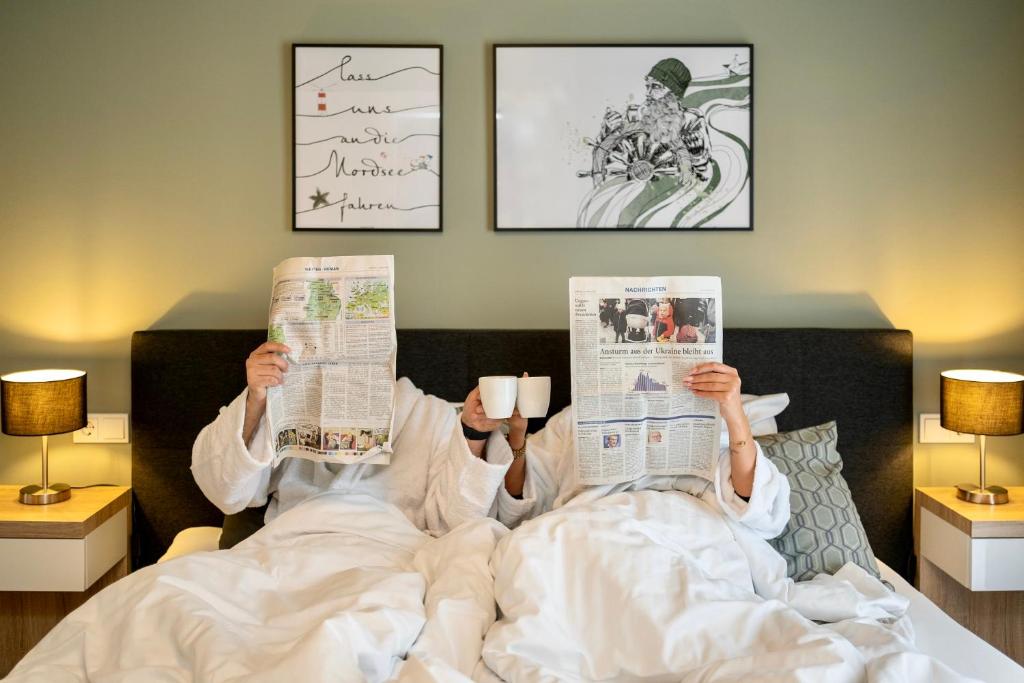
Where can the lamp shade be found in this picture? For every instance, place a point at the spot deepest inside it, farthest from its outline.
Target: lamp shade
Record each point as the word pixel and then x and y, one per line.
pixel 42 402
pixel 982 402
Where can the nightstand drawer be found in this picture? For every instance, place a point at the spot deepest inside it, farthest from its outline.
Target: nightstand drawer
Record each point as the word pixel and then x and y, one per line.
pixel 980 564
pixel 63 564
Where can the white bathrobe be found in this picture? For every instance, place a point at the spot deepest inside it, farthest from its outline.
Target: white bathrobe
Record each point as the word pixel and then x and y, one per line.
pixel 433 478
pixel 551 479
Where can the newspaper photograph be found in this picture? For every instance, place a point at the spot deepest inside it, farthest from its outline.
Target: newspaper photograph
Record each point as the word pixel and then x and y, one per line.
pixel 337 315
pixel 633 340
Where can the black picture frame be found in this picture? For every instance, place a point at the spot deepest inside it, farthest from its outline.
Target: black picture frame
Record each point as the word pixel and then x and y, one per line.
pixel 496 123
pixel 355 77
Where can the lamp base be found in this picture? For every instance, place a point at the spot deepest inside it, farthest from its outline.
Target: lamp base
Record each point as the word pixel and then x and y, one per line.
pixel 37 495
pixel 990 495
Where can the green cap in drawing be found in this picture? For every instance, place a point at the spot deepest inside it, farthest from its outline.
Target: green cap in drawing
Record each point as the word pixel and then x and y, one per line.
pixel 672 74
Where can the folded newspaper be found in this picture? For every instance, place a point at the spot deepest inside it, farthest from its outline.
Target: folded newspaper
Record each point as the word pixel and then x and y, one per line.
pixel 633 340
pixel 337 315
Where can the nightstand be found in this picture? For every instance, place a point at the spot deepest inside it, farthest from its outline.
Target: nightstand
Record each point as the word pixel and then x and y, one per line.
pixel 971 563
pixel 55 557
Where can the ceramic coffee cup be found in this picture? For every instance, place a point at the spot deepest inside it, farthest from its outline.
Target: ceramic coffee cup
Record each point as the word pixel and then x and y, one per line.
pixel 534 396
pixel 498 395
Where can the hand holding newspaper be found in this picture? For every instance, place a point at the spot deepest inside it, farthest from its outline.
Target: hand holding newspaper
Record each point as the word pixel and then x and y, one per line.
pixel 337 314
pixel 633 340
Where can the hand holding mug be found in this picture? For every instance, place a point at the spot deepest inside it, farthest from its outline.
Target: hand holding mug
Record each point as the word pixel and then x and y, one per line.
pixel 473 414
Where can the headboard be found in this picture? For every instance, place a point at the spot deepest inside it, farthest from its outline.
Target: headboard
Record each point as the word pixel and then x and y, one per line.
pixel 860 378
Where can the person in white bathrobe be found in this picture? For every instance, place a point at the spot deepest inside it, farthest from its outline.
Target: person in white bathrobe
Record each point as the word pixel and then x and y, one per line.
pixel 438 477
pixel 747 487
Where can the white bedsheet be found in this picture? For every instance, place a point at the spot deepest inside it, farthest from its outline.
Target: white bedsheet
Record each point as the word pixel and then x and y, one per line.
pixel 341 588
pixel 940 636
pixel 696 600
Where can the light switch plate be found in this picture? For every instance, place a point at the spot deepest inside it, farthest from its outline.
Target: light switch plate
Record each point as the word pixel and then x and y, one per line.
pixel 103 428
pixel 930 430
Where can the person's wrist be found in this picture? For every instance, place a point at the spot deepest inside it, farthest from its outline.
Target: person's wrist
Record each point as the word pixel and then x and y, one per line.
pixel 516 438
pixel 732 408
pixel 472 433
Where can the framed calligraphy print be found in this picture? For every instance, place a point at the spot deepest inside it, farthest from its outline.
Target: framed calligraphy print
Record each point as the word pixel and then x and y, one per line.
pixel 623 137
pixel 366 137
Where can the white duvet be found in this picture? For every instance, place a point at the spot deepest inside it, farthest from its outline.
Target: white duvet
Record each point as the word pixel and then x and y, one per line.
pixel 640 586
pixel 657 586
pixel 341 588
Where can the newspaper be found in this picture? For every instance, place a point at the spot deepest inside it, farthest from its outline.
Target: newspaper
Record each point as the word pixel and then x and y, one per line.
pixel 633 340
pixel 337 315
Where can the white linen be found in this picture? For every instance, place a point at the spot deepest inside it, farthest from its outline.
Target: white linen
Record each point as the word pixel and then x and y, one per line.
pixel 940 636
pixel 551 481
pixel 433 477
pixel 341 587
pixel 659 586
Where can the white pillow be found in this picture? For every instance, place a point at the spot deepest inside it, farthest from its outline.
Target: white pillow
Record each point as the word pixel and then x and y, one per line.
pixel 761 411
pixel 193 540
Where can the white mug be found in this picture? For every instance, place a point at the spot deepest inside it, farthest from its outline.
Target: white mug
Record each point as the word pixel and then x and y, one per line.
pixel 498 394
pixel 534 396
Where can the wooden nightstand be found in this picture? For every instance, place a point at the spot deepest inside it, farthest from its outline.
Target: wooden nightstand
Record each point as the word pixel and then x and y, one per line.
pixel 971 563
pixel 55 557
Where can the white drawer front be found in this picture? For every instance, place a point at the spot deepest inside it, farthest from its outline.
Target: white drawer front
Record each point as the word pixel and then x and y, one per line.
pixel 946 547
pixel 42 564
pixel 63 564
pixel 997 564
pixel 105 546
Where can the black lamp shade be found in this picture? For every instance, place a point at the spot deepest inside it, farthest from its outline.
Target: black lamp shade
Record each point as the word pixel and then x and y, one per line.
pixel 982 402
pixel 43 402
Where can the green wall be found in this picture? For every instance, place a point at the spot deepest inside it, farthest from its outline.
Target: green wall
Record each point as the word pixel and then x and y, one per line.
pixel 144 181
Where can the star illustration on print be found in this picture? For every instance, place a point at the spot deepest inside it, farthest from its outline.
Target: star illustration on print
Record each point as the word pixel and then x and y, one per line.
pixel 319 199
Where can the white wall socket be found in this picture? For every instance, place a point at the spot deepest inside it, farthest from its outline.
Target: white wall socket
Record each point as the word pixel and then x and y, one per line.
pixel 930 430
pixel 103 428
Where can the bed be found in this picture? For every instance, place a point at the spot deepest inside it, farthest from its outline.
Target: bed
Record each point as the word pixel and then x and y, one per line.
pixel 860 378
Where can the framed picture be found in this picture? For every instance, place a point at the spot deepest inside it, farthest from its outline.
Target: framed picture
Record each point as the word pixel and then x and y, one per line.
pixel 623 137
pixel 366 136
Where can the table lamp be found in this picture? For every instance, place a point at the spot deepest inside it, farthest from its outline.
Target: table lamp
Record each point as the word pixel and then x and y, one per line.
pixel 42 403
pixel 985 403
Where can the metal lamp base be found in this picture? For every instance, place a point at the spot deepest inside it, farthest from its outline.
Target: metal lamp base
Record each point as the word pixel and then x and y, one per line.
pixel 37 495
pixel 990 495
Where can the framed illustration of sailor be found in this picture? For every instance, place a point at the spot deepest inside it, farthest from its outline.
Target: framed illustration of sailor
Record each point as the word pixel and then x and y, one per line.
pixel 366 137
pixel 623 137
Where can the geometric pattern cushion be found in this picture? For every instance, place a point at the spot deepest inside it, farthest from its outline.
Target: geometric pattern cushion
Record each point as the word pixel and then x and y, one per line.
pixel 824 530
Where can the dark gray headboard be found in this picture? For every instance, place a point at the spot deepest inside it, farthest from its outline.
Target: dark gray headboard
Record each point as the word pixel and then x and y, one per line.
pixel 861 378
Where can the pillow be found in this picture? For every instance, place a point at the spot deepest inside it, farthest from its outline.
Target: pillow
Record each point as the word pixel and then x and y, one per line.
pixel 761 411
pixel 192 540
pixel 824 530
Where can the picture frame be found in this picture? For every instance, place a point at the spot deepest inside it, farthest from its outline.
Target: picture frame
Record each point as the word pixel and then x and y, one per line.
pixel 367 137
pixel 595 137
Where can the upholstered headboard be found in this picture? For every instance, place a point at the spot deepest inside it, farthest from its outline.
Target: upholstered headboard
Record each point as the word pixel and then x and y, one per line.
pixel 860 378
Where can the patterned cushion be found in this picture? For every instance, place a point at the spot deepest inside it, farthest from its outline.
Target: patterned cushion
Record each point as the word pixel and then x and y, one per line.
pixel 824 530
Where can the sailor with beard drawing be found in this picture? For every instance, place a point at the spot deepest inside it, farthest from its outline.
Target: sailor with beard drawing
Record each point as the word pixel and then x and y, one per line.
pixel 680 132
pixel 668 162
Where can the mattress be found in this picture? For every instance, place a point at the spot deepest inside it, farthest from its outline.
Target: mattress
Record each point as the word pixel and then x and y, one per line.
pixel 940 636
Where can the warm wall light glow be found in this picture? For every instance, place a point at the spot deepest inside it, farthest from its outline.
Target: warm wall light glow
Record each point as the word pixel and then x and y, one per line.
pixel 983 376
pixel 49 375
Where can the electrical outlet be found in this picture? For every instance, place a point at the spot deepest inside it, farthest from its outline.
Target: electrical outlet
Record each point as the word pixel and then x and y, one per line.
pixel 103 428
pixel 930 430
